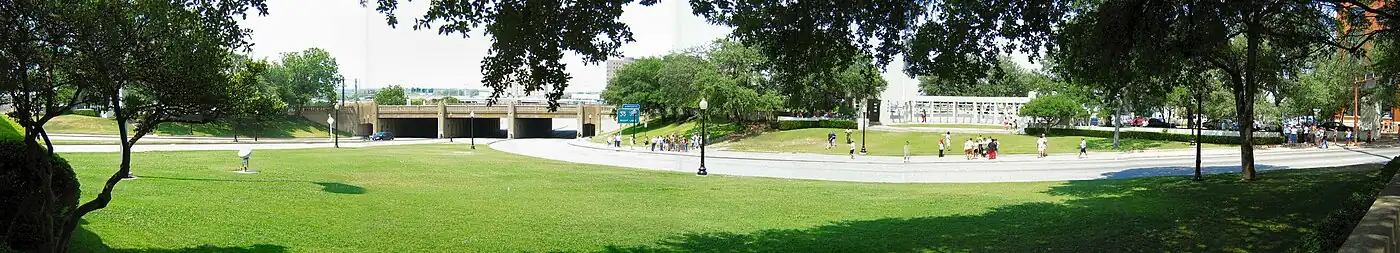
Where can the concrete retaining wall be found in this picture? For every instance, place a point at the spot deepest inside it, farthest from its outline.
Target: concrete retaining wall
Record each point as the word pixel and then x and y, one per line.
pixel 1379 230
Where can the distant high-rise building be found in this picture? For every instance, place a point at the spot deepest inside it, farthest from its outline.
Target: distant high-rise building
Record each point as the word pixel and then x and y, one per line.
pixel 614 65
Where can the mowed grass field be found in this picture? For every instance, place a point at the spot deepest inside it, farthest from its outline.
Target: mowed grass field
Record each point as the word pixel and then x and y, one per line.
pixel 9 129
pixel 813 140
pixel 448 198
pixel 289 127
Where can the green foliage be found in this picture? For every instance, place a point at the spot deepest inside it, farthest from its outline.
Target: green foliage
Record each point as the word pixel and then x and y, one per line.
pixel 732 77
pixel 826 123
pixel 1152 136
pixel 1008 79
pixel 392 95
pixel 17 186
pixel 86 112
pixel 1052 109
pixel 527 50
pixel 450 100
pixel 305 77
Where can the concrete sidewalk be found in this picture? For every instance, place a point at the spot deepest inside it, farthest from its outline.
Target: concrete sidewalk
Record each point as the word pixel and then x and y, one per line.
pixel 1015 168
pixel 949 158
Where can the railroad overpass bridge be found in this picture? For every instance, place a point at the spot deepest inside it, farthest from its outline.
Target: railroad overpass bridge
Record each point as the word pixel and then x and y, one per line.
pixel 521 120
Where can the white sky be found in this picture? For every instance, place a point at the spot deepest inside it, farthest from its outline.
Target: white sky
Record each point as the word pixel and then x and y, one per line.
pixel 368 50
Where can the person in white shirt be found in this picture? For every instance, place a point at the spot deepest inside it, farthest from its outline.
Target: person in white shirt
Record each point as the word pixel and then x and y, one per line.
pixel 906 151
pixel 1041 144
pixel 1083 147
pixel 967 148
pixel 853 149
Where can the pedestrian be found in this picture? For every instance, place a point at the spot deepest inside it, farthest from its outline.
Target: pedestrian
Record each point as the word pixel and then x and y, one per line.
pixel 967 149
pixel 941 146
pixel 1083 147
pixel 1322 137
pixel 992 149
pixel 1041 145
pixel 948 137
pixel 853 149
pixel 906 151
pixel 1307 134
pixel 653 144
pixel 1292 134
pixel 1349 138
pixel 830 140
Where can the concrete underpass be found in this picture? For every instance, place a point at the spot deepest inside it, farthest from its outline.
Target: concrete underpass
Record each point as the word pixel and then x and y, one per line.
pixel 416 128
pixel 483 127
pixel 534 128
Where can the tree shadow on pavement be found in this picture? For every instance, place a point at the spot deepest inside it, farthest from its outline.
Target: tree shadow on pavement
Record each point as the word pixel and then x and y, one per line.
pixel 1152 214
pixel 1183 171
pixel 85 240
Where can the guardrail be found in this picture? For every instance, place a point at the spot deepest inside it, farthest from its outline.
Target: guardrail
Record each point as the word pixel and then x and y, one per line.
pixel 462 109
pixel 1180 131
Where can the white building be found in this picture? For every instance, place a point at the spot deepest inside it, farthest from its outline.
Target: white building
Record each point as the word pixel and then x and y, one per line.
pixel 614 65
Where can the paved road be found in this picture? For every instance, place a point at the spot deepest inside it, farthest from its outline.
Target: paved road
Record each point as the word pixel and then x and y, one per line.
pixel 255 146
pixel 1009 168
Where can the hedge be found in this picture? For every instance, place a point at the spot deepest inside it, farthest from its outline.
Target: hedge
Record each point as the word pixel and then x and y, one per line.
pixel 826 123
pixel 86 112
pixel 1333 230
pixel 1154 136
pixel 17 180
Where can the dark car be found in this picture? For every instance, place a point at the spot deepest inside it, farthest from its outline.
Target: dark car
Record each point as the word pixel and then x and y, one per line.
pixel 1158 123
pixel 1335 126
pixel 382 136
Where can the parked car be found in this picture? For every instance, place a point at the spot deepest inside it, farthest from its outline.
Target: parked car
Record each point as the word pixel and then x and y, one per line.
pixel 1335 126
pixel 1159 123
pixel 382 136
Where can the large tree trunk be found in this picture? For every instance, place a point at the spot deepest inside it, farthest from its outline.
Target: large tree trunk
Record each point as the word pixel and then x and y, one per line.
pixel 1244 101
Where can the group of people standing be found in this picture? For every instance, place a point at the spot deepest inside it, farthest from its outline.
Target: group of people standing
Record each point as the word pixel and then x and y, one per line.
pixel 674 143
pixel 1316 136
pixel 980 147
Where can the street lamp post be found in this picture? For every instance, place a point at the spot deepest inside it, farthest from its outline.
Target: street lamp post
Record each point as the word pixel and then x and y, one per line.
pixel 334 136
pixel 703 136
pixel 471 127
pixel 865 123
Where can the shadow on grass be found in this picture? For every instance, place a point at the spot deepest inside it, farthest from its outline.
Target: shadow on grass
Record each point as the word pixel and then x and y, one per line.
pixel 85 240
pixel 341 188
pixel 331 187
pixel 1153 214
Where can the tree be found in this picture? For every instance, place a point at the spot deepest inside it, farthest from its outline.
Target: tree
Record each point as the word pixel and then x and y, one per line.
pixel 960 38
pixel 1052 109
pixel 638 82
pixel 392 95
pixel 150 62
pixel 261 104
pixel 1008 79
pixel 304 77
pixel 450 100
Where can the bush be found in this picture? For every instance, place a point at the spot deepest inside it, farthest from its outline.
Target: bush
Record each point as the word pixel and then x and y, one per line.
pixel 1333 230
pixel 1153 136
pixel 17 181
pixel 800 124
pixel 86 112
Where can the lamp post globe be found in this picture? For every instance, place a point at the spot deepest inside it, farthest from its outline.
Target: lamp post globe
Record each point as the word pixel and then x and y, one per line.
pixel 704 105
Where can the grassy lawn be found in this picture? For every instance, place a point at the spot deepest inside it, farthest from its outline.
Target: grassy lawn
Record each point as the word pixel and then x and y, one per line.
pixel 660 128
pixel 9 129
pixel 447 198
pixel 285 128
pixel 813 140
pixel 973 126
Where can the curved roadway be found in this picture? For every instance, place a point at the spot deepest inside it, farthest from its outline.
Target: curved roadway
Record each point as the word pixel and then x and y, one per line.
pixel 1008 168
